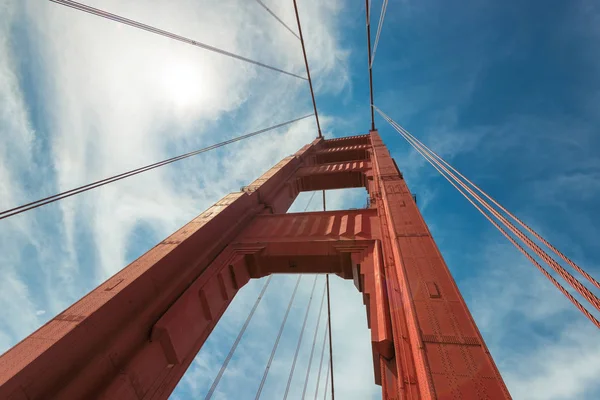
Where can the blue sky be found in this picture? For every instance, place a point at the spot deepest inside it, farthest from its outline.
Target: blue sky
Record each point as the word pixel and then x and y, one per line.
pixel 506 91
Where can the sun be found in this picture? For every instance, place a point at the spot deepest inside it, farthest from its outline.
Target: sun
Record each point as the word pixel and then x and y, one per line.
pixel 183 83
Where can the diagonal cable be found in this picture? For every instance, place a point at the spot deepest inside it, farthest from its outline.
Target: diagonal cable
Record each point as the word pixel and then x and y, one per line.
pixel 327 383
pixel 381 17
pixel 425 152
pixel 310 85
pixel 321 362
pixel 578 286
pixel 277 18
pixel 287 312
pixel 117 18
pixel 237 340
pixel 105 181
pixel 590 278
pixel 312 350
pixel 309 200
pixel 287 388
pixel 541 253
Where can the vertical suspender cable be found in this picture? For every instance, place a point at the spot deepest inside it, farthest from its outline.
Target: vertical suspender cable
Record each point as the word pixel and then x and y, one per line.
pixel 330 341
pixel 370 69
pixel 237 340
pixel 312 350
pixel 287 388
pixel 312 92
pixel 287 312
pixel 321 362
pixel 330 366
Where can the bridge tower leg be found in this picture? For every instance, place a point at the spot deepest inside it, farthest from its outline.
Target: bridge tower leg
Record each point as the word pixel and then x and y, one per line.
pixel 134 336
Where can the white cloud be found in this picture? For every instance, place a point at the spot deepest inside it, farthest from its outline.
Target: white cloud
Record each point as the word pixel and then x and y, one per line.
pixel 565 368
pixel 110 98
pixel 544 347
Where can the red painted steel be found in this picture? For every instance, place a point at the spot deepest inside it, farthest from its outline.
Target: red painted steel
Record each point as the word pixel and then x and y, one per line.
pixel 134 336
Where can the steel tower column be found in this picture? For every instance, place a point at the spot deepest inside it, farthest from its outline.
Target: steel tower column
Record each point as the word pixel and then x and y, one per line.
pixel 134 336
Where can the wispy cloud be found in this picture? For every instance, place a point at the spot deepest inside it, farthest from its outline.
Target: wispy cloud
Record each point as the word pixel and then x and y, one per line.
pixel 84 98
pixel 534 333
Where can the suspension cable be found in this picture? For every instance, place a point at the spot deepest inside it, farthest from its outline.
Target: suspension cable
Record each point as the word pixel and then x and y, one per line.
pixel 277 18
pixel 522 250
pixel 287 388
pixel 330 364
pixel 368 7
pixel 117 18
pixel 590 278
pixel 105 181
pixel 381 17
pixel 423 150
pixel 578 286
pixel 237 340
pixel 309 201
pixel 287 312
pixel 312 350
pixel 312 92
pixel 321 362
pixel 327 383
pixel 330 339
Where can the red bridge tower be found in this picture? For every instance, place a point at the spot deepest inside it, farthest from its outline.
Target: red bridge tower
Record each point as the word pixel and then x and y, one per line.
pixel 134 336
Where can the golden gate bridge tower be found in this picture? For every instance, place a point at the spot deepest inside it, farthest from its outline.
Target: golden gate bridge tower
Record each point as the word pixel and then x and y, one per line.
pixel 134 336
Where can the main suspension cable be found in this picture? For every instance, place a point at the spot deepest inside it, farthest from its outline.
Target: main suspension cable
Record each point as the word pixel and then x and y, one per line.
pixel 312 92
pixel 379 26
pixel 287 388
pixel 105 181
pixel 117 18
pixel 277 18
pixel 424 151
pixel 578 286
pixel 590 278
pixel 237 340
pixel 287 312
pixel 312 350
pixel 522 250
pixel 368 12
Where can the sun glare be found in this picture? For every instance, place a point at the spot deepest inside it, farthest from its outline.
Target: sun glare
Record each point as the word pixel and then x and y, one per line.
pixel 184 83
